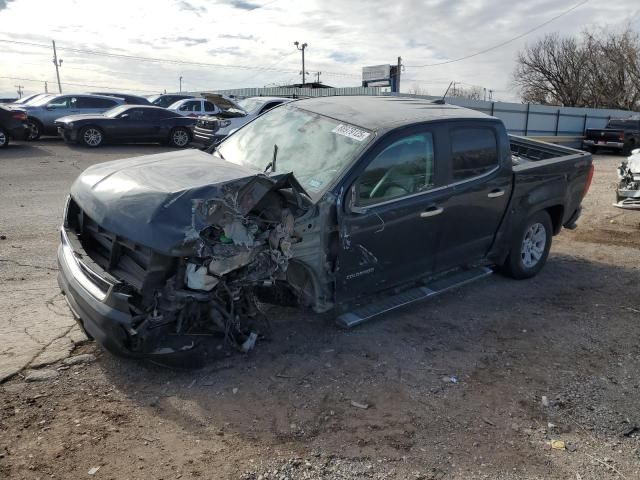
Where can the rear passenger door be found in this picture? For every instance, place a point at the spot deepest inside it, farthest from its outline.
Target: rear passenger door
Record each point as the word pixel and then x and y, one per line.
pixel 478 191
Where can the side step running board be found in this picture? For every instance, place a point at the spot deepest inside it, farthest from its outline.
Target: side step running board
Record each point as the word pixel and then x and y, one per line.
pixel 431 289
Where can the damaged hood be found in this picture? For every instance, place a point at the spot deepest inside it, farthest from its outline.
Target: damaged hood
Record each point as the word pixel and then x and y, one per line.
pixel 149 199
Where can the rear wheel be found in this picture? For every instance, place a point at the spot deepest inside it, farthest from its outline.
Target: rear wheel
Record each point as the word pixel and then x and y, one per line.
pixel 530 247
pixel 35 129
pixel 4 138
pixel 179 137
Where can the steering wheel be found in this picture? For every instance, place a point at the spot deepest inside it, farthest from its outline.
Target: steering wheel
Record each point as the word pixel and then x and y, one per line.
pixel 382 181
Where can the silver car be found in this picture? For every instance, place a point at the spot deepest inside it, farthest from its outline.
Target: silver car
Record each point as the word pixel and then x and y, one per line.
pixel 44 112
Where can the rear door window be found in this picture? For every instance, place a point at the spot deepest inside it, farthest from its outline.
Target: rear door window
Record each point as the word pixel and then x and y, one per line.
pixel 191 106
pixel 94 102
pixel 474 152
pixel 209 107
pixel 62 102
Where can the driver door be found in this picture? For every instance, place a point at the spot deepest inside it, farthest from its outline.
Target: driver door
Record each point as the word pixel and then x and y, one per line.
pixel 391 226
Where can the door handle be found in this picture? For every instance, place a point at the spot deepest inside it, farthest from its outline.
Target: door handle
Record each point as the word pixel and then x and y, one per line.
pixel 495 193
pixel 432 212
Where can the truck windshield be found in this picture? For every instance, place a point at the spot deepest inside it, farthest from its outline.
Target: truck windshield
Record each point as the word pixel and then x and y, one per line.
pixel 315 148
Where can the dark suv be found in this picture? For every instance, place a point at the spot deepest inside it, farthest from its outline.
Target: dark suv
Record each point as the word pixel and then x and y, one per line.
pixel 13 125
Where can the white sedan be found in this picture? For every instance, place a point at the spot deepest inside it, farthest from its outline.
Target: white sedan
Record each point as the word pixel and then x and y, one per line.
pixel 194 107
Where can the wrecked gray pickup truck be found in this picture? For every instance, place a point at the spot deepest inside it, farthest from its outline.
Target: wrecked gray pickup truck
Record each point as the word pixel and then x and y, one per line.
pixel 357 204
pixel 628 191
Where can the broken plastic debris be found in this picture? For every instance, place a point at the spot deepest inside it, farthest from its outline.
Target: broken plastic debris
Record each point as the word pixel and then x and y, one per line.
pixel 198 278
pixel 363 406
pixel 250 342
pixel 545 401
pixel 450 379
pixel 93 470
pixel 558 445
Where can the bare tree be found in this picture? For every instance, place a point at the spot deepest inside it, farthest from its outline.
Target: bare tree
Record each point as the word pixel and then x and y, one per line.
pixel 596 69
pixel 416 89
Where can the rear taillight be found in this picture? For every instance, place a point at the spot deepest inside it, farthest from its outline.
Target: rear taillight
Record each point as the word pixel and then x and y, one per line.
pixel 621 137
pixel 587 183
pixel 19 115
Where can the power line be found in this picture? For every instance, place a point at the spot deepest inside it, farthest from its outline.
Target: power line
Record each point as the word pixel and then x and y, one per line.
pixel 165 60
pixel 466 57
pixel 73 84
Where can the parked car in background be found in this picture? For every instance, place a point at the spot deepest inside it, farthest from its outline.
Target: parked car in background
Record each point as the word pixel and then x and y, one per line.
pixel 128 99
pixel 362 204
pixel 13 125
pixel 22 100
pixel 194 107
pixel 628 190
pixel 620 134
pixel 127 124
pixel 167 99
pixel 28 99
pixel 43 113
pixel 212 129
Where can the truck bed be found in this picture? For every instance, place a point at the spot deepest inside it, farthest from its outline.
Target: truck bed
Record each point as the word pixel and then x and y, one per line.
pixel 528 154
pixel 552 174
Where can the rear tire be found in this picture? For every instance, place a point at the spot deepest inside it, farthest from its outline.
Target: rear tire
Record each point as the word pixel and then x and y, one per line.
pixel 4 138
pixel 91 137
pixel 529 247
pixel 179 137
pixel 35 128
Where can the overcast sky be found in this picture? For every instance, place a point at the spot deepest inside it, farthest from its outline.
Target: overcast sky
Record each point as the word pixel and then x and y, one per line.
pixel 343 36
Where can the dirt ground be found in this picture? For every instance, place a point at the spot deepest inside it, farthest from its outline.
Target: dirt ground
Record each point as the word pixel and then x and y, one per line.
pixel 475 384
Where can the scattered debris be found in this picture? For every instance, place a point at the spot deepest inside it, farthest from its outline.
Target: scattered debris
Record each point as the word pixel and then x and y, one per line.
pixel 545 401
pixel 630 430
pixel 450 379
pixel 154 401
pixel 235 390
pixel 558 445
pixel 3 237
pixel 571 447
pixel 77 359
pixel 249 343
pixel 93 470
pixel 41 375
pixel 488 422
pixel 363 406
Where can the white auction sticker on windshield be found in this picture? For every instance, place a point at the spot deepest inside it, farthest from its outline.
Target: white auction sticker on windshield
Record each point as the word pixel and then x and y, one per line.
pixel 351 132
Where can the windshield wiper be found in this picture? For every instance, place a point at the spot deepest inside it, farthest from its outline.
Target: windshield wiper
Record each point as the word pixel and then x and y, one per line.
pixel 272 164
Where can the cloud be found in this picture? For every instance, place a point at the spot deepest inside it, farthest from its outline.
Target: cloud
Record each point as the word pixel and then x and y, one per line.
pixel 237 37
pixel 4 4
pixel 244 5
pixel 186 6
pixel 226 51
pixel 186 41
pixel 343 57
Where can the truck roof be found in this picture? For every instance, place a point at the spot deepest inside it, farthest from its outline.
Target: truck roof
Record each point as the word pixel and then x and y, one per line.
pixel 384 112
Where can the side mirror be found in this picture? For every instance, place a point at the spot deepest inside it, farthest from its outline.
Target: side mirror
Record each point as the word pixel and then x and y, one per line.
pixel 352 206
pixel 50 107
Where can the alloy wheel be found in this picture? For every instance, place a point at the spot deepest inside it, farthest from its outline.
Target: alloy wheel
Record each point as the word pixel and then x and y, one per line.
pixel 533 245
pixel 92 137
pixel 180 138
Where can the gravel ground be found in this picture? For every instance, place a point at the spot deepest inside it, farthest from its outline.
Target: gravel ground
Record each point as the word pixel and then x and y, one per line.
pixel 476 384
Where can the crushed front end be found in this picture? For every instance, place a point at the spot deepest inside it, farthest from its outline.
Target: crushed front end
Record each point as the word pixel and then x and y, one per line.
pixel 139 301
pixel 628 190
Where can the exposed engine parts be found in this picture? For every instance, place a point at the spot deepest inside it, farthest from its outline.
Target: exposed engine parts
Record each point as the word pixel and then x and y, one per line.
pixel 628 192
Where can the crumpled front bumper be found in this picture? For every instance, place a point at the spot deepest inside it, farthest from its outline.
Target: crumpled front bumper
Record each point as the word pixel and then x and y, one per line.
pixel 99 310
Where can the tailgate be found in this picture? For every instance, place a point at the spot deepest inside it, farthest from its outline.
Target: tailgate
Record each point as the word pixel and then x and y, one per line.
pixel 606 135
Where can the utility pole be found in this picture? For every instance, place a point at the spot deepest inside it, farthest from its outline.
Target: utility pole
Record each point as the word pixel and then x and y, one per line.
pixel 485 94
pixel 57 63
pixel 46 87
pixel 318 77
pixel 398 68
pixel 19 90
pixel 301 48
pixel 181 83
pixel 490 95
